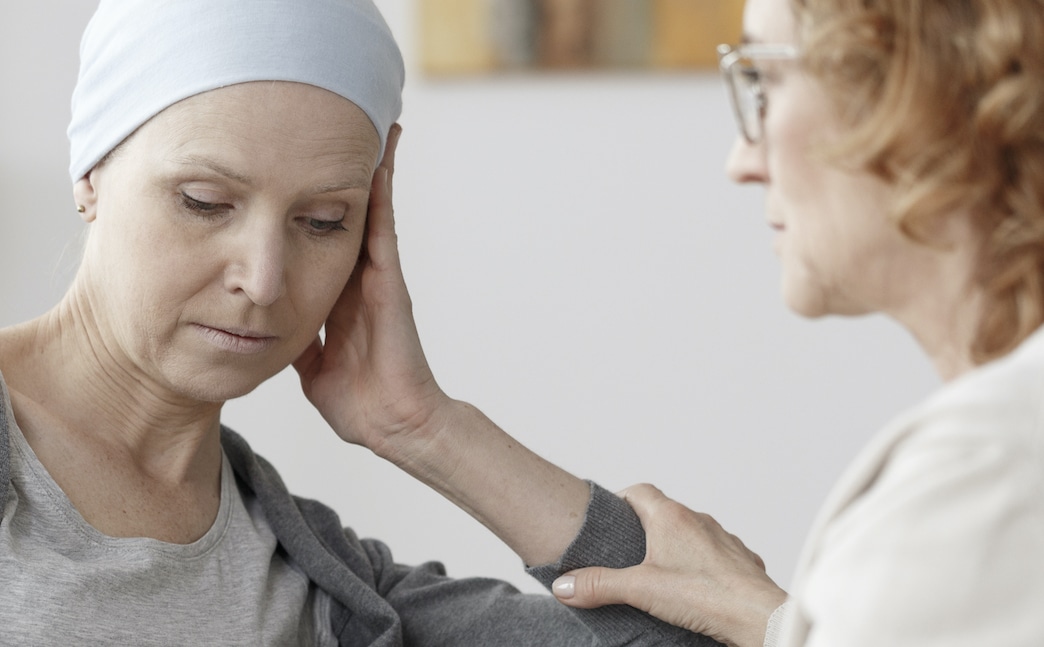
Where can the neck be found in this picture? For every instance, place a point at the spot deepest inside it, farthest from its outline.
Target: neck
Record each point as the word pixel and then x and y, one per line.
pixel 936 295
pixel 943 317
pixel 949 355
pixel 72 384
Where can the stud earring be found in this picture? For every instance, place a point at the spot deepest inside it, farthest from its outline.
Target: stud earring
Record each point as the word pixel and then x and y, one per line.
pixel 80 208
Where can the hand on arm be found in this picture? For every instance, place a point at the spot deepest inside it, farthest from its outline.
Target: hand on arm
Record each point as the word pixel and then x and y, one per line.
pixel 371 382
pixel 695 575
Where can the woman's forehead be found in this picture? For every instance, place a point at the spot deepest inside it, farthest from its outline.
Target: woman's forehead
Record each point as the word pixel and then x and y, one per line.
pixel 273 102
pixel 261 120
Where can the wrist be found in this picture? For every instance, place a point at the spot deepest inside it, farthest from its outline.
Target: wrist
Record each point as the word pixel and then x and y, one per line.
pixel 427 444
pixel 754 617
pixel 774 630
pixel 533 506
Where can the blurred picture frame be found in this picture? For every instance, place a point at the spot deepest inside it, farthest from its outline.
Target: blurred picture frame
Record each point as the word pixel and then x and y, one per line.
pixel 476 37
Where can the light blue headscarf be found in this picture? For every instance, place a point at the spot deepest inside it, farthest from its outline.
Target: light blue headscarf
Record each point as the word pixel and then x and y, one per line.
pixel 139 56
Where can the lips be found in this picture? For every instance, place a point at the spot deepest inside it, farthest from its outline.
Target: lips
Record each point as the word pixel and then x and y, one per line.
pixel 236 340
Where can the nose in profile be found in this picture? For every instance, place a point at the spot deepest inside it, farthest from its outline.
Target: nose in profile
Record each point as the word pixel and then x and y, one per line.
pixel 746 162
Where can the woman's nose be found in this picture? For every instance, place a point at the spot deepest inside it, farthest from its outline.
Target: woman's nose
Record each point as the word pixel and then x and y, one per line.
pixel 259 266
pixel 746 162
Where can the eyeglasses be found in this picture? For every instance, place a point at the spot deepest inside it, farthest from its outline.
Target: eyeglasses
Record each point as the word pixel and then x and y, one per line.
pixel 743 79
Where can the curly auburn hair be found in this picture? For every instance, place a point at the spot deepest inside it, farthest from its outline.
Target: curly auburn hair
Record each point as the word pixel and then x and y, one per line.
pixel 945 99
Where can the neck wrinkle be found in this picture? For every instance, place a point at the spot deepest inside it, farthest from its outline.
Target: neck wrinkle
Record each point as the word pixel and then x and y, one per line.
pixel 95 391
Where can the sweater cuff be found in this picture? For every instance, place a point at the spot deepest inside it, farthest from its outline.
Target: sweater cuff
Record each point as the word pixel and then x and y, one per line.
pixel 774 631
pixel 611 536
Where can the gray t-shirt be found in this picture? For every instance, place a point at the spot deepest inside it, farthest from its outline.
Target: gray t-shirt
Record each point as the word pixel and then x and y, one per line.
pixel 66 583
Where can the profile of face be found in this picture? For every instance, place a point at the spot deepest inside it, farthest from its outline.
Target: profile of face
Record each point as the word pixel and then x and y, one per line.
pixel 223 231
pixel 839 252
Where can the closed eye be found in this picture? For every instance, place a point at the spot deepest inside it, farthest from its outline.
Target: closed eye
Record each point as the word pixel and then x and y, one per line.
pixel 320 227
pixel 199 206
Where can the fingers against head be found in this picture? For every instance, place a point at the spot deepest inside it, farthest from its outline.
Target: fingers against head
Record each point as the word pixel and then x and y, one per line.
pixel 388 162
pixel 381 244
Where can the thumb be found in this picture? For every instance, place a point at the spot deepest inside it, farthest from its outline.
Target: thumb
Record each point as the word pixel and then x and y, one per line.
pixel 587 588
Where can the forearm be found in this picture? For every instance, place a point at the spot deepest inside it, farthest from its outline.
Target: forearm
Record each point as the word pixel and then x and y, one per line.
pixel 533 506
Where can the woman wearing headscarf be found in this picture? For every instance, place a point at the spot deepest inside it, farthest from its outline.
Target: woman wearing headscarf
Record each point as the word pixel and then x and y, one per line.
pixel 233 161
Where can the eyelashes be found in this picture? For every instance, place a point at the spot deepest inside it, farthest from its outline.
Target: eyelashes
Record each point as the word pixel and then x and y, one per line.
pixel 317 227
pixel 325 226
pixel 199 206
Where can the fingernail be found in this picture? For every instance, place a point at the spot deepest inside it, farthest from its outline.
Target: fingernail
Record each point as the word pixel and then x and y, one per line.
pixel 564 587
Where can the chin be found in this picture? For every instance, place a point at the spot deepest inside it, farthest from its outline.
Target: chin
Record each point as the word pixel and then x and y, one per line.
pixel 805 310
pixel 220 384
pixel 811 301
pixel 804 297
pixel 218 391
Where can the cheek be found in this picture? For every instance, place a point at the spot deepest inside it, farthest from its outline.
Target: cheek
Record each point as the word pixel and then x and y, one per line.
pixel 812 198
pixel 322 280
pixel 796 125
pixel 136 260
pixel 796 180
pixel 149 278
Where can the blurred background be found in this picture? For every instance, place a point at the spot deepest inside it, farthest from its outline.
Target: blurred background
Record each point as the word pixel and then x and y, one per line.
pixel 482 36
pixel 581 270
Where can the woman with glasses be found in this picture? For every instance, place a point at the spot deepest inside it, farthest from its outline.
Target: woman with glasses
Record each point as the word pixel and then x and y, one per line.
pixel 901 148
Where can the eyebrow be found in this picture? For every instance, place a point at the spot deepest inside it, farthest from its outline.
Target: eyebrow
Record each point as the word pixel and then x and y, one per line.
pixel 341 186
pixel 217 167
pixel 221 169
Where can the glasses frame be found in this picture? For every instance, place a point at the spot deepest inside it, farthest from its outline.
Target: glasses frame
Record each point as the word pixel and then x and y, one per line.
pixel 729 57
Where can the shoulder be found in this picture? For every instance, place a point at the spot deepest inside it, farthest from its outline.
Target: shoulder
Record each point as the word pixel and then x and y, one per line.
pixel 997 406
pixel 979 437
pixel 944 538
pixel 979 440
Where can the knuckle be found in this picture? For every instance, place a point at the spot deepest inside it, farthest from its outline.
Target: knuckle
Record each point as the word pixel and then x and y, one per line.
pixel 593 586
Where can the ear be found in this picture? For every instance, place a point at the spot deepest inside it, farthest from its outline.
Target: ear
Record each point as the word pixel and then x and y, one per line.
pixel 86 198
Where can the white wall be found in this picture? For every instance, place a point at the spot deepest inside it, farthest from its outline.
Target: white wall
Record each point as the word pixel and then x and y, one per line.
pixel 581 271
